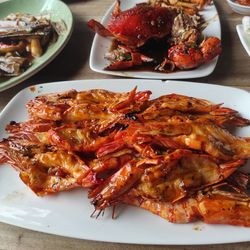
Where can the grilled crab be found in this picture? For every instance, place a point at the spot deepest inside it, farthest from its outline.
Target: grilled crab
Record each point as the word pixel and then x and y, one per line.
pixel 135 27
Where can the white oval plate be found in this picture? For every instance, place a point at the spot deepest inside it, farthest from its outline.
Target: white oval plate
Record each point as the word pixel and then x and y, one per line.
pixel 68 213
pixel 102 44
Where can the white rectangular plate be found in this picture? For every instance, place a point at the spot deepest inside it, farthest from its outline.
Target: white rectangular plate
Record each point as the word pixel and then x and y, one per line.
pixel 244 38
pixel 101 45
pixel 68 213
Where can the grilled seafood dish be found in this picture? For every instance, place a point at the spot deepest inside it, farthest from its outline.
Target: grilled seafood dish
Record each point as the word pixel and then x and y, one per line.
pixel 173 155
pixel 24 37
pixel 187 6
pixel 243 2
pixel 140 16
pixel 164 35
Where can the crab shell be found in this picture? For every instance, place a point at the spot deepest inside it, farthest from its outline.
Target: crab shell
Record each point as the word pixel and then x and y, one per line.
pixel 133 27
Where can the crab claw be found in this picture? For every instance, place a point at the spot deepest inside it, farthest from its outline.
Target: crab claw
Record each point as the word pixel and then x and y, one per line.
pixel 187 57
pixel 124 57
pixel 117 8
pixel 136 59
pixel 99 28
pixel 211 48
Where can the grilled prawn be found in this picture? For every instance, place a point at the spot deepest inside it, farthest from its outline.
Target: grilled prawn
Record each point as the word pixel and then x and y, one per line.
pixel 172 155
pixel 99 106
pixel 225 203
pixel 168 178
pixel 44 169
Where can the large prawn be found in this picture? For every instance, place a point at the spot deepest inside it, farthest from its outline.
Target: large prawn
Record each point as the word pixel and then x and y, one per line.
pixel 168 178
pixel 172 155
pixel 224 203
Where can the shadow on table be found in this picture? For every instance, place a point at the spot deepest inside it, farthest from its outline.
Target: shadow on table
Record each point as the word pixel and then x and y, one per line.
pixel 225 65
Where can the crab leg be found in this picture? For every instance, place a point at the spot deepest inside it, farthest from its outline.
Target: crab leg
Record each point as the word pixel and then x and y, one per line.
pixel 99 28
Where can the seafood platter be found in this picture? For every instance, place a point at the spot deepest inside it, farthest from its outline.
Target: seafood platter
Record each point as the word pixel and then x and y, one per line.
pixel 118 153
pixel 127 155
pixel 157 39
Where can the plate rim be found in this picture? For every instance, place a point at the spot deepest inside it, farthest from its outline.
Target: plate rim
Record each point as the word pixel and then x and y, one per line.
pixel 158 81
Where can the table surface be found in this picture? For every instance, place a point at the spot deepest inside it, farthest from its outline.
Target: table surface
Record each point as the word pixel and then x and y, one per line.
pixel 73 63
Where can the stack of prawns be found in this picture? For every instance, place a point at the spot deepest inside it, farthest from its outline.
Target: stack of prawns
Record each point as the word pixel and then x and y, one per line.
pixel 173 155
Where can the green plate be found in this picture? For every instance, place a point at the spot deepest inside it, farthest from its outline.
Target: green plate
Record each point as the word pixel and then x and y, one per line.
pixel 58 11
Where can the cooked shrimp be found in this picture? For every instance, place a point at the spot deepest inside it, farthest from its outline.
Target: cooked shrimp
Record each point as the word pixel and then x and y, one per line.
pixel 176 178
pixel 213 206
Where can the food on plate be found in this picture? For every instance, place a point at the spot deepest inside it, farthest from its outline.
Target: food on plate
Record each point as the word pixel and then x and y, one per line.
pixel 246 24
pixel 24 37
pixel 161 35
pixel 173 155
pixel 189 6
pixel 243 2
